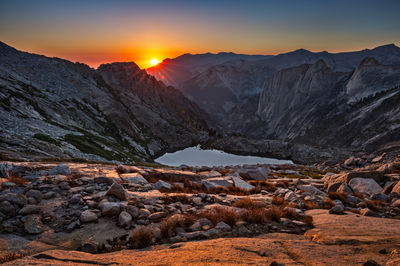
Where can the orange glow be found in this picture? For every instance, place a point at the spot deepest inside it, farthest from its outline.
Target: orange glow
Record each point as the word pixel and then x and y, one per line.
pixel 154 62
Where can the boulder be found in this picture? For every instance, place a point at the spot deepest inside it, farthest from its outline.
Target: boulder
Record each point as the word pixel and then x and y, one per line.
pixel 162 184
pixel 124 219
pixel 15 198
pixel 88 216
pixel 311 190
pixel 110 208
pixel 367 212
pixel 29 209
pixel 7 208
pixel 365 185
pixel 118 191
pixel 33 193
pixel 240 183
pixel 157 216
pixel 134 178
pixel 223 226
pixel 259 173
pixel 225 181
pixel 104 179
pixel 61 169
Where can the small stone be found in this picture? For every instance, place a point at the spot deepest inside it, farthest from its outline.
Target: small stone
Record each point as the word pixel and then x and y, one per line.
pixel 144 213
pixel 7 208
pixel 49 195
pixel 61 169
pixel 110 209
pixel 124 219
pixel 157 216
pixel 162 184
pixel 29 209
pixel 33 193
pixel 15 198
pixel 118 191
pixel 371 263
pixel 223 226
pixel 33 225
pixel 64 186
pixel 88 216
pixel 75 199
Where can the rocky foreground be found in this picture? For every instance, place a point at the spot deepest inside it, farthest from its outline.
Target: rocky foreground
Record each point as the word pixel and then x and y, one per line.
pixel 266 214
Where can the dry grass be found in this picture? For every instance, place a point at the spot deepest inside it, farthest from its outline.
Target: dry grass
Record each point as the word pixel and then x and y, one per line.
pixel 328 203
pixel 19 181
pixel 309 205
pixel 185 199
pixel 358 195
pixel 168 225
pixel 9 257
pixel 277 200
pixel 263 185
pixel 248 203
pixel 141 237
pixel 342 196
pixel 221 214
pixel 374 205
pixel 283 184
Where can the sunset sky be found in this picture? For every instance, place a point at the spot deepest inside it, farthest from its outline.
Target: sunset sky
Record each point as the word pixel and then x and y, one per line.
pixel 99 31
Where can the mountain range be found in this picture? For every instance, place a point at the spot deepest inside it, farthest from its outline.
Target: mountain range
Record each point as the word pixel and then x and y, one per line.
pixel 53 108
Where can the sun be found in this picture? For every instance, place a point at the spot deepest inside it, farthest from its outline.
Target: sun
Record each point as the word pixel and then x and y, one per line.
pixel 154 62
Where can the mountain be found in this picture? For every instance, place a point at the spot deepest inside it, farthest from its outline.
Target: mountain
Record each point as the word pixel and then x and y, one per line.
pixel 316 105
pixel 177 70
pixel 51 107
pixel 221 88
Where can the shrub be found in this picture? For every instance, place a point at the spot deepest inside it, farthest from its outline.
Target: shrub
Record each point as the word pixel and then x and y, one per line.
pixel 328 203
pixel 374 204
pixel 309 205
pixel 10 256
pixel 168 225
pixel 248 203
pixel 358 195
pixel 277 200
pixel 185 199
pixel 221 214
pixel 274 213
pixel 141 237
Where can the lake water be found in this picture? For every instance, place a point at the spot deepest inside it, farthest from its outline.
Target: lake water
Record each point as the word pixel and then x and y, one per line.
pixel 194 156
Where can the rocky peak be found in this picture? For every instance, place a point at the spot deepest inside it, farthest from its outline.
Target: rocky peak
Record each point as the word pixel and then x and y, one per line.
pixel 129 67
pixel 368 61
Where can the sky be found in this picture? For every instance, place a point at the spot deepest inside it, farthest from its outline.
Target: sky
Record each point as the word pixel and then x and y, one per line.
pixel 101 31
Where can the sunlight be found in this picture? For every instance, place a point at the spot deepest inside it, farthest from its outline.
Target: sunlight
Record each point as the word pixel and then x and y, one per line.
pixel 154 62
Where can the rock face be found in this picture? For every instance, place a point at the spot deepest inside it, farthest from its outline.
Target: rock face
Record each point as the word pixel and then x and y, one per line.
pixel 72 111
pixel 312 104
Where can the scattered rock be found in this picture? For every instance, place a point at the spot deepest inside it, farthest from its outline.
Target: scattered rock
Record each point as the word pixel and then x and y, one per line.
pixel 162 184
pixel 110 208
pixel 124 219
pixel 29 209
pixel 118 191
pixel 365 185
pixel 33 225
pixel 88 216
pixel 61 169
pixel 223 226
